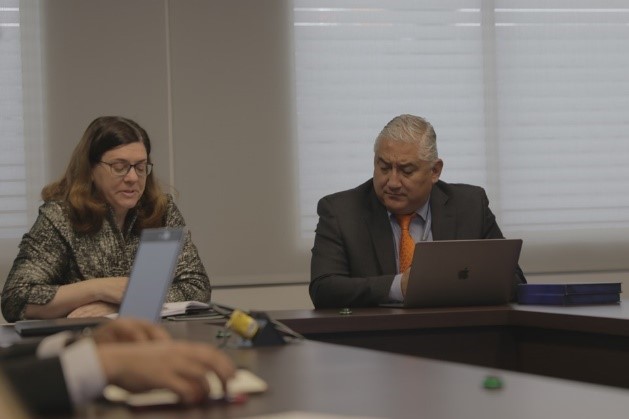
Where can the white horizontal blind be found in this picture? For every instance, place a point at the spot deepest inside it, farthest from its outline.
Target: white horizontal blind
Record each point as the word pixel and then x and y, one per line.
pixel 13 201
pixel 530 99
pixel 563 125
pixel 360 64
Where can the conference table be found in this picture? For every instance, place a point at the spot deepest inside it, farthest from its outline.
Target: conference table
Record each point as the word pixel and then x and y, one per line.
pixel 584 343
pixel 461 362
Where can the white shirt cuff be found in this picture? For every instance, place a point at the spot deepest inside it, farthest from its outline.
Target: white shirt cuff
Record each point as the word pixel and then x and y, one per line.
pixel 395 293
pixel 53 345
pixel 83 372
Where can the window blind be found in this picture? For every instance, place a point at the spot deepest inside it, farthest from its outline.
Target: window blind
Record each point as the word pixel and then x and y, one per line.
pixel 13 206
pixel 529 99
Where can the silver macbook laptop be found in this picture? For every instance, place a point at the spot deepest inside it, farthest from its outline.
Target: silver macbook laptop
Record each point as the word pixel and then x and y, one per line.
pixel 152 272
pixel 462 273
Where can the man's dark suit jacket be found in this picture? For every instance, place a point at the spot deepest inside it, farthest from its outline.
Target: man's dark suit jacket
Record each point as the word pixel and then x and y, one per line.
pixel 38 382
pixel 353 259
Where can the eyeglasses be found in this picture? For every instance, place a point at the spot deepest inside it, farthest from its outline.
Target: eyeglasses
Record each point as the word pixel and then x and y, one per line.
pixel 121 168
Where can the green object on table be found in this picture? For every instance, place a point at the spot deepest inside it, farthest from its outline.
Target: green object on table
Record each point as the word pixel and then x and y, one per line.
pixel 492 382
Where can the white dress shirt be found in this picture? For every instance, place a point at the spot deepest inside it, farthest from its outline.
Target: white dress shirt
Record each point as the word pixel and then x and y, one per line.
pixel 82 370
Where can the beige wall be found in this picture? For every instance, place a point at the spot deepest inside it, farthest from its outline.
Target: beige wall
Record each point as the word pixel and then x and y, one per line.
pixel 210 81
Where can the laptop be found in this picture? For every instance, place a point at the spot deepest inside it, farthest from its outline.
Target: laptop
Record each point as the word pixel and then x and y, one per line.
pixel 152 272
pixel 462 273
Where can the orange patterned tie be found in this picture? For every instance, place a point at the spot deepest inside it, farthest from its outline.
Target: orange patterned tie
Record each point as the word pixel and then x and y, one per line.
pixel 407 244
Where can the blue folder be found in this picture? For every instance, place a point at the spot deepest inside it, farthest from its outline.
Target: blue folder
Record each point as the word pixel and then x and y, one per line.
pixel 569 294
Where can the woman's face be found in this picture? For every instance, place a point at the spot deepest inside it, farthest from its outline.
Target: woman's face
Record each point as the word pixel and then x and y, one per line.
pixel 122 191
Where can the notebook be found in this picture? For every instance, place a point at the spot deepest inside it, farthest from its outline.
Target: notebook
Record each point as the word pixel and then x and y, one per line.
pixel 152 272
pixel 462 273
pixel 243 382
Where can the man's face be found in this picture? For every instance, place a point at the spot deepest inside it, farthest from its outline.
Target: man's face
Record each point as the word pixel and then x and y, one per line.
pixel 402 180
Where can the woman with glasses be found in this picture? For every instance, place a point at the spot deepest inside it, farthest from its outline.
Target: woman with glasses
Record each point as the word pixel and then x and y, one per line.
pixel 76 258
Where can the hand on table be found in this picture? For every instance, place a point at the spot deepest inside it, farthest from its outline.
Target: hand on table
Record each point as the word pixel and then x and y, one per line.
pixel 129 330
pixel 95 309
pixel 175 365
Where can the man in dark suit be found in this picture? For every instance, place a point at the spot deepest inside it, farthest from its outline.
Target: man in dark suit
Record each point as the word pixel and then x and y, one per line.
pixel 355 258
pixel 65 371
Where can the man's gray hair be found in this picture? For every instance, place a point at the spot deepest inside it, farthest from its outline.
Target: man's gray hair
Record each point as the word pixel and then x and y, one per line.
pixel 411 129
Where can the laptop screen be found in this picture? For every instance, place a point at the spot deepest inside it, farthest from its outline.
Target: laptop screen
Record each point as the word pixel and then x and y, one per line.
pixel 152 272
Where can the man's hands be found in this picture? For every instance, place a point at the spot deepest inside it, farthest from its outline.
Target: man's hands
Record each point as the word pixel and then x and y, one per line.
pixel 404 281
pixel 178 366
pixel 138 356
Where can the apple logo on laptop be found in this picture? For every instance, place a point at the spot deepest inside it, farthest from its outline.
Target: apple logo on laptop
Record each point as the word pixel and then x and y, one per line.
pixel 464 273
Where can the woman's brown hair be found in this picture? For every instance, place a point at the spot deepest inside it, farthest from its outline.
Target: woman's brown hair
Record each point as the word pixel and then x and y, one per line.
pixel 87 206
